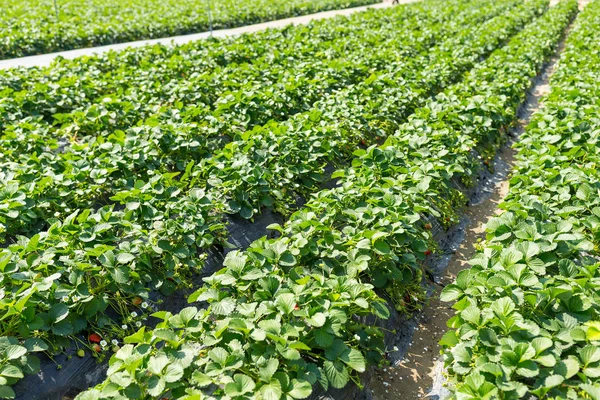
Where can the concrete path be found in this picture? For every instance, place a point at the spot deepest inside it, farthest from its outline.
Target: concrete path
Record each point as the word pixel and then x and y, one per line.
pixel 44 60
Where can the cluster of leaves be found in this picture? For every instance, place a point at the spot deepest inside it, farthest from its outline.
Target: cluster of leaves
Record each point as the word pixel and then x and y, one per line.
pixel 62 280
pixel 301 309
pixel 34 28
pixel 528 320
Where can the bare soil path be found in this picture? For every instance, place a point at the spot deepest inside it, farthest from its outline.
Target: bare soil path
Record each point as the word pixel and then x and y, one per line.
pixel 420 372
pixel 44 60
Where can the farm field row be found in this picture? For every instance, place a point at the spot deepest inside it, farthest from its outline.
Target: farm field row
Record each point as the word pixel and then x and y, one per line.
pixel 94 220
pixel 527 316
pixel 41 26
pixel 282 315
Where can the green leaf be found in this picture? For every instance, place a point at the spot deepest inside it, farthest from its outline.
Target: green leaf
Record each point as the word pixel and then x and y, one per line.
pixel 287 259
pixel 6 392
pixel 120 274
pixel 567 367
pixel 124 258
pixel 223 307
pixel 286 302
pixel 173 373
pixel 218 355
pixel 62 328
pixel 553 380
pixel 323 338
pixel 527 369
pixel 58 312
pixel 471 314
pixel 166 334
pixel 138 337
pixel 451 292
pixel 449 339
pixel 266 371
pixel 593 331
pixel 187 314
pixel 503 307
pixel 589 354
pixel 272 391
pixel 241 385
pixel 380 310
pixel 381 247
pixel 200 379
pixel 592 390
pixel 11 371
pixel 317 320
pixel 156 386
pixel 336 373
pixel 300 389
pixel 354 360
pixel 15 351
pixel 157 363
pixel 35 344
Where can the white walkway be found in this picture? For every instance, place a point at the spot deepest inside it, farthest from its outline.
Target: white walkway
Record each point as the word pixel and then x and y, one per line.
pixel 44 60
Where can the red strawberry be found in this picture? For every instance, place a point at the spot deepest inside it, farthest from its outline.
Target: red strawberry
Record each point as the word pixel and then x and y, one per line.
pixel 94 338
pixel 427 252
pixel 296 307
pixel 137 301
pixel 428 226
pixel 97 348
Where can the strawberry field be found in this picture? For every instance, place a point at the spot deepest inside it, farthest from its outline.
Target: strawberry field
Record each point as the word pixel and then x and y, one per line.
pixel 44 26
pixel 136 189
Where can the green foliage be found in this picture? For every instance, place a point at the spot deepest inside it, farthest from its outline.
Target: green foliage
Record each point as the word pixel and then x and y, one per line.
pixel 33 28
pixel 339 244
pixel 527 311
pixel 288 312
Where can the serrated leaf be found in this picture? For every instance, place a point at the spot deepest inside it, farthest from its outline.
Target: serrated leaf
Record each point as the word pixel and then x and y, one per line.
pixel 300 389
pixel 241 385
pixel 336 373
pixel 15 351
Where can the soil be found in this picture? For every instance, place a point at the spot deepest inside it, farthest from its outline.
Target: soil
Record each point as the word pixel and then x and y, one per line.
pixel 419 371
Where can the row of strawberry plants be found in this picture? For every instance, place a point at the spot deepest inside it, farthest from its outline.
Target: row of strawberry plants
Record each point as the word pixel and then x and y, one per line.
pixel 76 272
pixel 159 73
pixel 39 26
pixel 527 318
pixel 290 312
pixel 111 169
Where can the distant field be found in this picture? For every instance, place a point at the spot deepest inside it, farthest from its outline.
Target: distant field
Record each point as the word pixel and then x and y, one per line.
pixel 31 27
